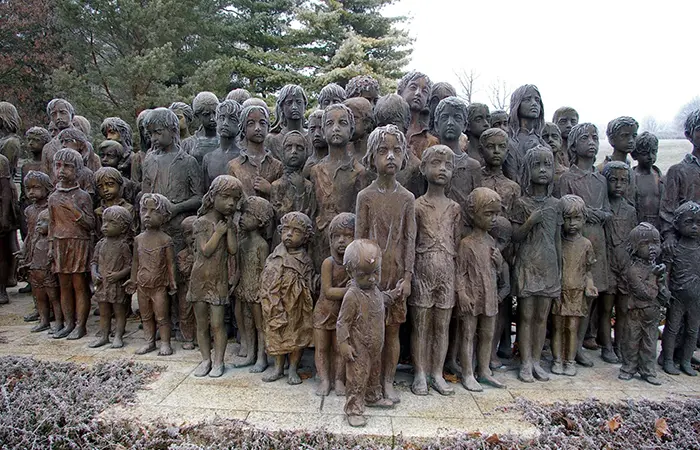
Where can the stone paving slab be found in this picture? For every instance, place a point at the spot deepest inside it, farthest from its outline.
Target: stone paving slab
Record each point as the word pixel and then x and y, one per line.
pixel 176 395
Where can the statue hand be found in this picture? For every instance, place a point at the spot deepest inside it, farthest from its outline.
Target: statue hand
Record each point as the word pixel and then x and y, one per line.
pixel 130 286
pixel 346 350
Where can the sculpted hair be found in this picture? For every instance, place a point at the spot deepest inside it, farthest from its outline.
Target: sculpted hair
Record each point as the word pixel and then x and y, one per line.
pixel 480 198
pixel 642 232
pixel 184 109
pixel 572 205
pixel 107 144
pixel 615 165
pixel 287 91
pixel 42 134
pixel 9 117
pixel 331 90
pixel 259 208
pixel 375 141
pixel 188 225
pixel 204 100
pixel 110 173
pixel 120 214
pixel 359 84
pixel 245 112
pixel 616 124
pixel 362 251
pixel 364 107
pixel 442 90
pixel 73 134
pixel 163 205
pixel 551 127
pixel 499 113
pixel 82 124
pixel 54 103
pixel 563 111
pixel 222 183
pixel 692 122
pixel 255 101
pixel 502 228
pixel 298 219
pixel 576 132
pixel 165 118
pixel 390 109
pixel 38 177
pixel 238 95
pixel 516 99
pixel 339 106
pixel 342 222
pixel 645 143
pixel 69 156
pixel 454 102
pixel 526 177
pixel 228 107
pixel 474 108
pixel 144 138
pixel 412 76
pixel 689 207
pixel 492 132
pixel 431 152
pixel 121 127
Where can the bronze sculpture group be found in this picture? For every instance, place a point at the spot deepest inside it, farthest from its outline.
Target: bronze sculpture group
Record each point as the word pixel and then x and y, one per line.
pixel 377 211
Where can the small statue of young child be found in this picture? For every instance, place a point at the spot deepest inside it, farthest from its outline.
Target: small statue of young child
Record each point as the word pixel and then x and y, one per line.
pixel 362 109
pixel 184 261
pixel 111 187
pixel 537 221
pixel 41 277
pixel 648 293
pixel 502 233
pixel 478 265
pixel 551 135
pixel 36 186
pixel 576 283
pixel 565 118
pixel 153 273
pixel 683 263
pixel 71 226
pixel 115 129
pixel 318 142
pixel 360 330
pixel 622 135
pixel 110 266
pixel 111 155
pixel 478 121
pixel 289 115
pixel 255 218
pixel 499 119
pixel 334 284
pixel 438 224
pixel 228 127
pixel 493 145
pixel 285 296
pixel 386 214
pixel 37 137
pixel 331 94
pixel 215 241
pixel 648 179
pixel 617 230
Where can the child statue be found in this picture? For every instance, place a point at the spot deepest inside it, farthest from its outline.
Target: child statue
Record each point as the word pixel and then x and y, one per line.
pixel 330 94
pixel 285 296
pixel 648 179
pixel 682 181
pixel 393 110
pixel 622 135
pixel 478 121
pixel 10 144
pixel 207 140
pixel 37 138
pixel 215 241
pixel 364 124
pixel 493 147
pixel 439 92
pixel 338 177
pixel 576 283
pixel 255 217
pixel 61 113
pixel 648 293
pixel 289 115
pixel 75 139
pixel 684 282
pixel 145 145
pixel 415 89
pixel 115 129
pixel 71 226
pixel 478 266
pixel 110 267
pixel 525 123
pixel 360 330
pixel 502 233
pixel 330 365
pixel 363 86
pixel 111 187
pixel 256 166
pixel 551 135
pixel 386 214
pixel 184 260
pixel 584 180
pixel 537 221
pixel 169 171
pixel 617 230
pixel 318 142
pixel 153 273
pixel 185 116
pixel 111 154
pixel 499 119
pixel 238 95
pixel 43 281
pixel 438 225
pixel 565 118
pixel 215 163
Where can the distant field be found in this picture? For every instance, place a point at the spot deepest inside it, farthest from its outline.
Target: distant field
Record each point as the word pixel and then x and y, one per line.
pixel 671 151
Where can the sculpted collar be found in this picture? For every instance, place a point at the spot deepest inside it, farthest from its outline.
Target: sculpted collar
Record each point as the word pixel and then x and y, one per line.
pixel 691 159
pixel 246 157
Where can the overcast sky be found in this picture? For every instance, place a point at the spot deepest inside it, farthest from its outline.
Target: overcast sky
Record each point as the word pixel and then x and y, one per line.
pixel 604 58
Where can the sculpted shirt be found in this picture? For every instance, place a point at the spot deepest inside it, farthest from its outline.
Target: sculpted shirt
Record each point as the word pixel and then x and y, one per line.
pixel 245 169
pixel 508 189
pixel 178 181
pixel 466 176
pixel 682 185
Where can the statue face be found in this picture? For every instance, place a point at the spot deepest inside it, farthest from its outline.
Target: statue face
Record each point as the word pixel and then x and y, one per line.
pixel 389 157
pixel 371 94
pixel 500 121
pixel 340 239
pixel 61 116
pixel 208 117
pixel 293 106
pixel 316 132
pixel 552 137
pixel 293 236
pixel 227 124
pixel 586 146
pixel 486 218
pixel 35 191
pixel 494 150
pixel 337 129
pixel 438 170
pixel 114 135
pixel 647 159
pixel 256 127
pixel 688 225
pixel 360 124
pixel 330 101
pixel 694 137
pixel 480 122
pixel 65 172
pixel 294 151
pixel 160 136
pixel 566 122
pixel 531 105
pixel 618 180
pixel 541 169
pixel 624 139
pixel 416 94
pixel 649 249
pixel 108 189
pixel 450 123
pixel 181 121
pixel 36 145
pixel 110 157
pixel 573 223
pixel 111 227
pixel 150 216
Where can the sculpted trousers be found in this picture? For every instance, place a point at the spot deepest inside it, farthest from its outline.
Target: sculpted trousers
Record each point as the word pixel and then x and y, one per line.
pixel 639 344
pixel 154 305
pixel 683 310
pixel 363 379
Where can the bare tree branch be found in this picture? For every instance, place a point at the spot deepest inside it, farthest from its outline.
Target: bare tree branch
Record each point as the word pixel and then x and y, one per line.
pixel 499 94
pixel 467 81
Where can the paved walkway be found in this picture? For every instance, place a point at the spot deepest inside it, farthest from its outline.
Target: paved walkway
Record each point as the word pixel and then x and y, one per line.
pixel 178 396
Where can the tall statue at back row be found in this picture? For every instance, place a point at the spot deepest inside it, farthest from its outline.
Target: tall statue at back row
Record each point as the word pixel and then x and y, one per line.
pixel 289 115
pixel 204 106
pixel 526 120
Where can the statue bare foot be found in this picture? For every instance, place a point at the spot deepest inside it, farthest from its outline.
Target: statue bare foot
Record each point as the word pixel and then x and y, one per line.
pixel 420 385
pixel 203 368
pixel 293 377
pixel 118 342
pixel 216 371
pixel 324 388
pixel 439 384
pixel 275 375
pixel 40 327
pixel 488 378
pixel 77 333
pixel 390 393
pixel 339 388
pixel 165 349
pixel 357 421
pixel 148 348
pixel 243 362
pixel 259 367
pixel 470 384
pixel 99 342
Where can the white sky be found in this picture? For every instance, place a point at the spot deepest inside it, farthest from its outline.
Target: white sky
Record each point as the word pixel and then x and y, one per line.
pixel 604 58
